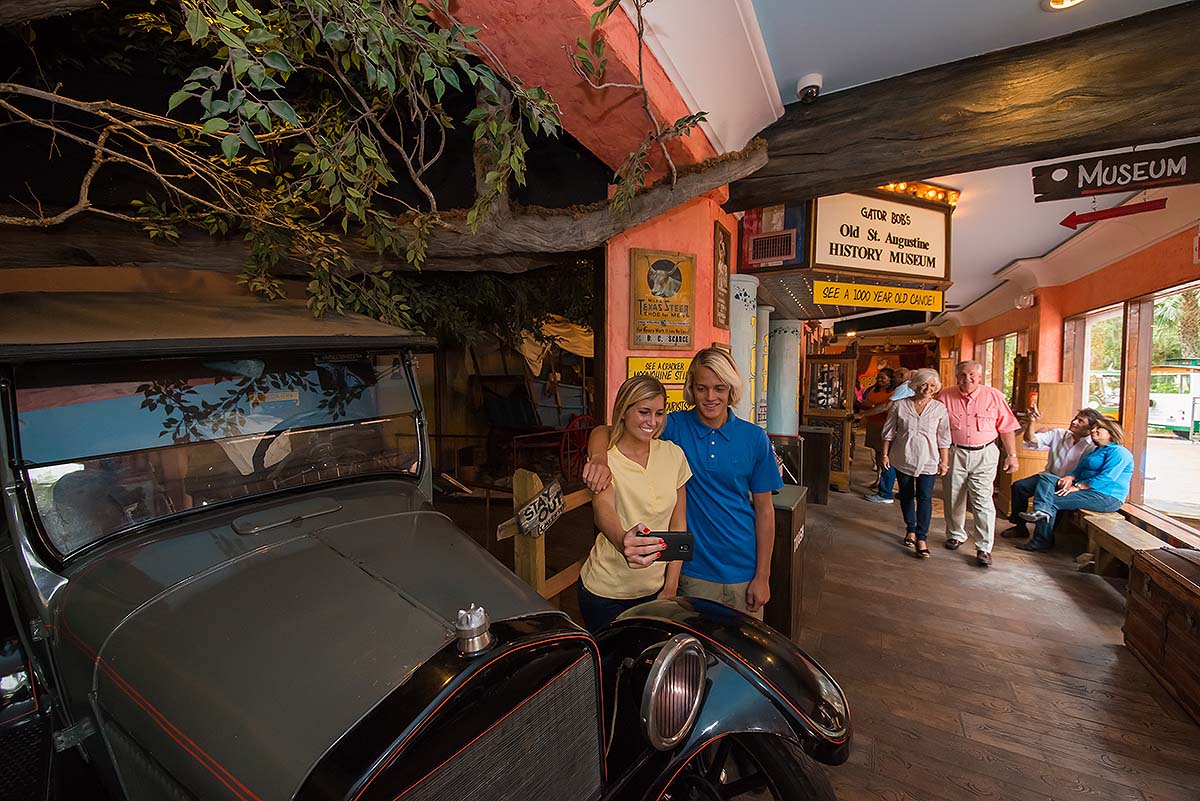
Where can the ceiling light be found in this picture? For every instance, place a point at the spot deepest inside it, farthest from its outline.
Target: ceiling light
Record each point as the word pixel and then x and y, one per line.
pixel 1059 5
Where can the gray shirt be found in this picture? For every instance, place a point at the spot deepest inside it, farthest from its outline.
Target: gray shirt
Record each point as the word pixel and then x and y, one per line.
pixel 915 437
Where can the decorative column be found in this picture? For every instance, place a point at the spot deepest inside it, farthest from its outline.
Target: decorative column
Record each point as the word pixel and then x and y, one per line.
pixel 743 319
pixel 761 354
pixel 783 385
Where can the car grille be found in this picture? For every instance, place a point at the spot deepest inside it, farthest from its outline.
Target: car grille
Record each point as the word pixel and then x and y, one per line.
pixel 546 750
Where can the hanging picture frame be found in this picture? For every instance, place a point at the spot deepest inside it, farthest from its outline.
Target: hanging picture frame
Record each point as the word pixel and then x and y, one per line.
pixel 662 300
pixel 722 254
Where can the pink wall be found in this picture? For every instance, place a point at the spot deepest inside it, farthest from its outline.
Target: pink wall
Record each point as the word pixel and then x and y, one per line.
pixel 686 229
pixel 528 36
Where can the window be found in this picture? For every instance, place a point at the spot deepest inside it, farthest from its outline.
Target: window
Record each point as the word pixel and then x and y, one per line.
pixel 1102 346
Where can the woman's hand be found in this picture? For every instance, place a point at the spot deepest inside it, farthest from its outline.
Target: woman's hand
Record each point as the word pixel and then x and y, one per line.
pixel 887 463
pixel 1065 482
pixel 641 551
pixel 943 468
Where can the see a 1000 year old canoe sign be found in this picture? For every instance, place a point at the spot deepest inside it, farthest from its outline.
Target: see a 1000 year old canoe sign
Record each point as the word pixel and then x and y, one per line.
pixel 1119 172
pixel 662 300
pixel 867 234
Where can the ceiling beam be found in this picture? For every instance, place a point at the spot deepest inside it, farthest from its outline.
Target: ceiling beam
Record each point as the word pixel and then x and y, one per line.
pixel 1130 82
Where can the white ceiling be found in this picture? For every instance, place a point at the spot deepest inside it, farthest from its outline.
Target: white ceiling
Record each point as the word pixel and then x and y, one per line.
pixel 860 41
pixel 737 59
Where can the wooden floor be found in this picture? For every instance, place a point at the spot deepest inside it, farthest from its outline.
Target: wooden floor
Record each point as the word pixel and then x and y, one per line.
pixel 970 683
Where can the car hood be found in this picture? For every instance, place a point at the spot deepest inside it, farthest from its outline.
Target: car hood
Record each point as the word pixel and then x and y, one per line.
pixel 238 679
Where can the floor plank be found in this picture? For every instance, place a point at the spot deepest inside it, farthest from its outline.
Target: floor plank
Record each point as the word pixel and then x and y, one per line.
pixel 1010 683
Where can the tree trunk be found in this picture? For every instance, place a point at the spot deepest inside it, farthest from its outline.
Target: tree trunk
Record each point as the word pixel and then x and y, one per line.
pixel 514 242
pixel 1189 324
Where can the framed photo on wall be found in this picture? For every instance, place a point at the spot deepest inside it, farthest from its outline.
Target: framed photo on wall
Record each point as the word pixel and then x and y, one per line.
pixel 722 255
pixel 662 300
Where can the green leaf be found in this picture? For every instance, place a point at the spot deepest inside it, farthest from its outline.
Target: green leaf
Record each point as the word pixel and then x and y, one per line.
pixel 213 125
pixel 197 25
pixel 439 88
pixel 247 136
pixel 284 110
pixel 451 77
pixel 201 74
pixel 177 98
pixel 257 74
pixel 229 146
pixel 230 39
pixel 278 61
pixel 260 36
pixel 249 12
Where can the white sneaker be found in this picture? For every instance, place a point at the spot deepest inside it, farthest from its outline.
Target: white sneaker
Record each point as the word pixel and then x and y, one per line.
pixel 878 499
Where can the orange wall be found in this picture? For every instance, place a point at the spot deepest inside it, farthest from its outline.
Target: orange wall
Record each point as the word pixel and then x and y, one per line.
pixel 1160 266
pixel 686 229
pixel 1155 268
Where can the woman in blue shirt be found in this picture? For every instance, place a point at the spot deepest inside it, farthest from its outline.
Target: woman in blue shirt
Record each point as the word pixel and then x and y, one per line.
pixel 1099 483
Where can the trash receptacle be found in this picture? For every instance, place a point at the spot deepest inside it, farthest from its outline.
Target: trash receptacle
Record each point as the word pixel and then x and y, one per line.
pixel 783 611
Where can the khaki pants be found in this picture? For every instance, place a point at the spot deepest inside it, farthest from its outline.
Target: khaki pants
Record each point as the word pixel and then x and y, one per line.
pixel 732 595
pixel 969 485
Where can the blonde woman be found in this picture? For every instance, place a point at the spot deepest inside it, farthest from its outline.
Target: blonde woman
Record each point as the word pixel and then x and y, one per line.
pixel 647 494
pixel 729 499
pixel 916 442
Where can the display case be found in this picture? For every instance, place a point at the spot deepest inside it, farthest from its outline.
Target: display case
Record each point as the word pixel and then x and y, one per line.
pixel 829 403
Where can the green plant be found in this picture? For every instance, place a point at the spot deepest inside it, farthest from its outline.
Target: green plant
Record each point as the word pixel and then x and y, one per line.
pixel 301 127
pixel 590 63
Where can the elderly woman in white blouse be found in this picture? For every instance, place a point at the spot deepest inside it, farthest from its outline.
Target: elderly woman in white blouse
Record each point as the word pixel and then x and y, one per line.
pixel 916 441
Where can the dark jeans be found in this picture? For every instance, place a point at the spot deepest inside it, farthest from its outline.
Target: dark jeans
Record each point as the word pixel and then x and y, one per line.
pixel 1044 500
pixel 916 502
pixel 1022 493
pixel 887 480
pixel 599 611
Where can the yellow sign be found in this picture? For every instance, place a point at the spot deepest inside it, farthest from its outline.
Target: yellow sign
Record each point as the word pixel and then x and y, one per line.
pixel 833 293
pixel 665 368
pixel 675 402
pixel 662 295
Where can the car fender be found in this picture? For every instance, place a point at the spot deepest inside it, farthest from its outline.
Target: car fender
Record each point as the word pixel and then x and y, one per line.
pixel 758 681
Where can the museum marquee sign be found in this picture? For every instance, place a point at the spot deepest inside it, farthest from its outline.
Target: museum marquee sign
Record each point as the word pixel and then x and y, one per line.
pixel 862 233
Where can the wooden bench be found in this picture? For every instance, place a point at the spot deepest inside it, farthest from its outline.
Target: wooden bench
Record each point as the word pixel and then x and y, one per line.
pixel 1112 539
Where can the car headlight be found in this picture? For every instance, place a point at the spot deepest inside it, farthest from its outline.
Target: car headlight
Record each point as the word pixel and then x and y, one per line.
pixel 673 692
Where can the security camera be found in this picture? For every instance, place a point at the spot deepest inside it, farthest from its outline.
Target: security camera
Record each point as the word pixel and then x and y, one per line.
pixel 809 87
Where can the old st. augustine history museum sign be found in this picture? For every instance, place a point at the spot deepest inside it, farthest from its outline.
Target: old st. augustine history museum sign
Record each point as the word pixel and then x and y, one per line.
pixel 866 234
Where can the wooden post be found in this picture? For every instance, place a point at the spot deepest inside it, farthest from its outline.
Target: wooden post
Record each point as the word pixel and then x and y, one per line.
pixel 1135 390
pixel 529 553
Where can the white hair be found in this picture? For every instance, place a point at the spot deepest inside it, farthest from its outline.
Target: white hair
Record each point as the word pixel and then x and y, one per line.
pixel 926 375
pixel 968 365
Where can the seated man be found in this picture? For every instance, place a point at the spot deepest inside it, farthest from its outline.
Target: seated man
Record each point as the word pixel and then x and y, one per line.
pixel 1099 483
pixel 1066 445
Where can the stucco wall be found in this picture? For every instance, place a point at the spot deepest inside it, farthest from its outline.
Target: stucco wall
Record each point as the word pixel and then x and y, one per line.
pixel 686 229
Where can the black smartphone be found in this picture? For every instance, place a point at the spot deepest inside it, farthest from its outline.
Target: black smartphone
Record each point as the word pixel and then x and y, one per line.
pixel 680 545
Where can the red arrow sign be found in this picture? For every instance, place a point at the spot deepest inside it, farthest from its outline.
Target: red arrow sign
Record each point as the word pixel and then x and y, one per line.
pixel 1074 220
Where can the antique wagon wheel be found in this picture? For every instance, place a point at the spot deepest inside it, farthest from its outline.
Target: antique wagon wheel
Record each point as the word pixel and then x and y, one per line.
pixel 572 452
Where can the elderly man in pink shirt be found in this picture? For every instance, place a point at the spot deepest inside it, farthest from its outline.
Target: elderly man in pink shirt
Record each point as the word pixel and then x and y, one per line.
pixel 978 415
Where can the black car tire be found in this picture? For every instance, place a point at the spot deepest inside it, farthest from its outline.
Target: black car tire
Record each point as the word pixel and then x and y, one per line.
pixel 751 766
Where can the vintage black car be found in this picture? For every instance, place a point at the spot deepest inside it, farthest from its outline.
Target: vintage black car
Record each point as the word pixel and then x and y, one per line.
pixel 228 582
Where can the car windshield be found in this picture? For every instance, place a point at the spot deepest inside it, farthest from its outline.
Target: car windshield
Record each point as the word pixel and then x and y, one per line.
pixel 110 445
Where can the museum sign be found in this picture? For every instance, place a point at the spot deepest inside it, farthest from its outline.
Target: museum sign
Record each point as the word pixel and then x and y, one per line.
pixel 866 234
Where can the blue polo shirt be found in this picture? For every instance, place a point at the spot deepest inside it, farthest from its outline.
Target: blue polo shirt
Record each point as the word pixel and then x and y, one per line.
pixel 1107 469
pixel 728 464
pixel 903 391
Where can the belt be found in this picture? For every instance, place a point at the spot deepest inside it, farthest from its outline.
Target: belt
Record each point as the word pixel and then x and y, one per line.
pixel 973 447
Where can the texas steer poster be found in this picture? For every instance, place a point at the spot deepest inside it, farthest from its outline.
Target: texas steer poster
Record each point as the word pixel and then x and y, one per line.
pixel 867 234
pixel 662 300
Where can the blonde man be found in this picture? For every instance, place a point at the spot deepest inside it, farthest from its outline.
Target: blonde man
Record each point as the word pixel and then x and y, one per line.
pixel 729 508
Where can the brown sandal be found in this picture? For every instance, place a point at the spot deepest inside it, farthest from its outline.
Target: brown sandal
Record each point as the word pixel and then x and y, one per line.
pixel 909 541
pixel 919 552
